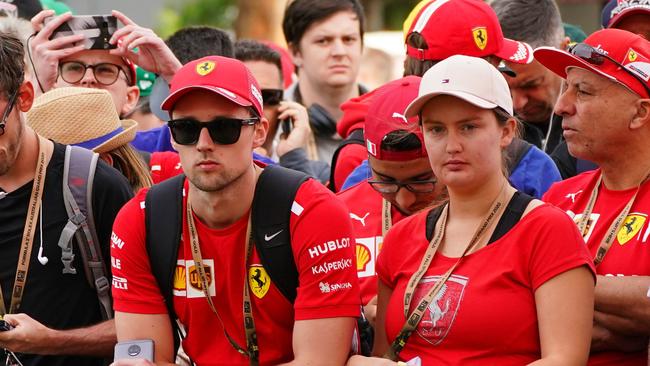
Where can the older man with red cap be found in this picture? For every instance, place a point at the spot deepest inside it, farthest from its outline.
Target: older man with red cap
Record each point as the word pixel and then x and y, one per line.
pixel 606 119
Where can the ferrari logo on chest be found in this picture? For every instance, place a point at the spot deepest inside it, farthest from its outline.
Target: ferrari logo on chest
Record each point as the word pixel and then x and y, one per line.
pixel 480 37
pixel 630 228
pixel 205 68
pixel 258 280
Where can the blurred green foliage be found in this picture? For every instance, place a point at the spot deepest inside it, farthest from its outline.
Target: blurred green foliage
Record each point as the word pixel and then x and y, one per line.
pixel 179 14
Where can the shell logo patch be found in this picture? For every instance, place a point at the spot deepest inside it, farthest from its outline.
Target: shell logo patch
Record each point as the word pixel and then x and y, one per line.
pixel 179 278
pixel 258 280
pixel 204 68
pixel 480 37
pixel 631 227
pixel 363 257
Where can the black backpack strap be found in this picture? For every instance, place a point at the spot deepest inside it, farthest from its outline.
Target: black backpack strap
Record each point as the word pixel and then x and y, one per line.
pixel 271 213
pixel 511 216
pixel 164 226
pixel 78 178
pixel 432 218
pixel 355 137
pixel 516 151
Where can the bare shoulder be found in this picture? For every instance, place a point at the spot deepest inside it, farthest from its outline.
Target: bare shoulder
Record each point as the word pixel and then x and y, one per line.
pixel 532 205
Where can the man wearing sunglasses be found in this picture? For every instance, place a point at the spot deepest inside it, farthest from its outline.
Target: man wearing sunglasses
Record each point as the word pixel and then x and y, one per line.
pixel 216 121
pixel 62 62
pixel 55 316
pixel 605 108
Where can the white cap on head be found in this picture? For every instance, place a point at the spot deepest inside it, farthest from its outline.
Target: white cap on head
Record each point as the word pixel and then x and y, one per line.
pixel 471 79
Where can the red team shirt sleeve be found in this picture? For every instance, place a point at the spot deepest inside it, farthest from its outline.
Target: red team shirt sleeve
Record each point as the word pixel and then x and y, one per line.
pixel 323 241
pixel 134 287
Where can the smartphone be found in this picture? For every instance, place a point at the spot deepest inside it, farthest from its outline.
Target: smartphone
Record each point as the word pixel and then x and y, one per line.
pixel 286 125
pixel 98 30
pixel 136 349
pixel 4 326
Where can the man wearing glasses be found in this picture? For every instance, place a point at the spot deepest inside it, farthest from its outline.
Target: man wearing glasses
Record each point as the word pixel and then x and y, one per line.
pixel 402 181
pixel 606 119
pixel 62 62
pixel 216 121
pixel 52 318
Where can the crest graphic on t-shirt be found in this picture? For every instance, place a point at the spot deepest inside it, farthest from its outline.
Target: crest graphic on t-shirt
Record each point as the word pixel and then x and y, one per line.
pixel 630 228
pixel 258 280
pixel 439 317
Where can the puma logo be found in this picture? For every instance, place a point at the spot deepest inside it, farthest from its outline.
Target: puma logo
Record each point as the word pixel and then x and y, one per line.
pixel 400 116
pixel 362 220
pixel 573 196
pixel 268 237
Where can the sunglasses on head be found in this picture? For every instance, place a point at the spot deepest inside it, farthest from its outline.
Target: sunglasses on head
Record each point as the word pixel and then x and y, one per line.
pixel 272 97
pixel 596 57
pixel 223 130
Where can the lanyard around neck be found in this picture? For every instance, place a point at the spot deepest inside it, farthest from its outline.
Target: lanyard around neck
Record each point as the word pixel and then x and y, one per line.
pixel 386 217
pixel 497 209
pixel 33 209
pixel 252 350
pixel 608 239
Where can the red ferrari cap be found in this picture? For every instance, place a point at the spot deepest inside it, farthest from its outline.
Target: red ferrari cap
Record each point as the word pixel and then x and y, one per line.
pixel 225 76
pixel 386 115
pixel 628 49
pixel 462 27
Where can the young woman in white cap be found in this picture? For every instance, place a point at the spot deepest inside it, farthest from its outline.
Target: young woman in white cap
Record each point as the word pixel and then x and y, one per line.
pixel 491 277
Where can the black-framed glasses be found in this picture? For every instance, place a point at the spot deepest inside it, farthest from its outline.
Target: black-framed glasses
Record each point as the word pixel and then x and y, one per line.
pixel 392 187
pixel 223 130
pixel 105 73
pixel 595 56
pixel 272 97
pixel 8 108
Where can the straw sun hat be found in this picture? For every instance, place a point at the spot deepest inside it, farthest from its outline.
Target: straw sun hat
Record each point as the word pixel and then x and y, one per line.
pixel 83 117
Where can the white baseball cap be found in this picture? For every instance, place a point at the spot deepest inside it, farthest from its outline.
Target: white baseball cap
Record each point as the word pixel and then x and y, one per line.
pixel 471 79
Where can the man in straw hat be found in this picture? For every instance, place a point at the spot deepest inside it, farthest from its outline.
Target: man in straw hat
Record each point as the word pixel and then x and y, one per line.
pixel 51 313
pixel 216 111
pixel 605 108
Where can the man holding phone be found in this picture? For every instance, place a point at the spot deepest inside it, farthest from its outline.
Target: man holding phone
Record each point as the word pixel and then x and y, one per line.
pixel 66 61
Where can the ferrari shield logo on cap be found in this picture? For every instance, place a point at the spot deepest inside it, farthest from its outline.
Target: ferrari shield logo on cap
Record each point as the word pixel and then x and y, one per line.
pixel 480 37
pixel 630 228
pixel 631 55
pixel 258 280
pixel 205 68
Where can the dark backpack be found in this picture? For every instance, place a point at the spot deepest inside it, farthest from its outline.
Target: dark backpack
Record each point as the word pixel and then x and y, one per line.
pixel 78 177
pixel 271 211
pixel 355 137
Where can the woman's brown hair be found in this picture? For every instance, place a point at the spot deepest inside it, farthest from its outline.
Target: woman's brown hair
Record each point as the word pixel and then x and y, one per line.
pixel 130 164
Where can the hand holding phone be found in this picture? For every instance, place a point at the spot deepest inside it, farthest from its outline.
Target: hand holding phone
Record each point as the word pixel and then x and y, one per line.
pixel 136 349
pixel 97 30
pixel 286 125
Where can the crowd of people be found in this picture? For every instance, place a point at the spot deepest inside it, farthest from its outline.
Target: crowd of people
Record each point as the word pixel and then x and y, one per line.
pixel 219 202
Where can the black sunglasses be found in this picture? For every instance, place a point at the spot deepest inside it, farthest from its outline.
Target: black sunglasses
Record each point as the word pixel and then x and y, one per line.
pixel 5 114
pixel 223 130
pixel 596 57
pixel 272 97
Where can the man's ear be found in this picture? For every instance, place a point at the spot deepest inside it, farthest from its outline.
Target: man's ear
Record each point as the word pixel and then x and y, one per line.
pixel 296 56
pixel 25 97
pixel 565 42
pixel 132 97
pixel 642 116
pixel 259 135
